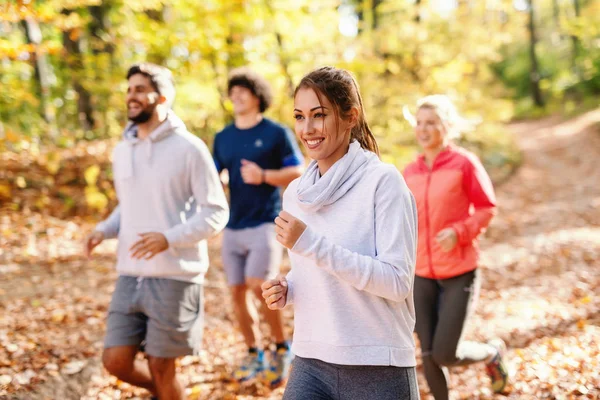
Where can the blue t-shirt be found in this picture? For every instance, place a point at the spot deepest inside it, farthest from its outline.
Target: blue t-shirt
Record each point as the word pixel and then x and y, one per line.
pixel 269 145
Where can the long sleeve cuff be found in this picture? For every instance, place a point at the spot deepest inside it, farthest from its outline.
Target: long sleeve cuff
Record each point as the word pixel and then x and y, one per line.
pixel 303 243
pixel 289 300
pixel 110 232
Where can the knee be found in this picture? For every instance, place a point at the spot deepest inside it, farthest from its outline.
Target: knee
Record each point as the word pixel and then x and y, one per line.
pixel 444 357
pixel 161 367
pixel 116 363
pixel 238 294
pixel 254 284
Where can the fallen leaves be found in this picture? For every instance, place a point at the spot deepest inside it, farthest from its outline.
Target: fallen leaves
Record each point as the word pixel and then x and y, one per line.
pixel 73 367
pixel 541 294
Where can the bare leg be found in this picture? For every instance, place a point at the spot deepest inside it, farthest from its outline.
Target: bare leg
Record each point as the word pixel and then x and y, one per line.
pixel 272 317
pixel 164 374
pixel 246 314
pixel 120 361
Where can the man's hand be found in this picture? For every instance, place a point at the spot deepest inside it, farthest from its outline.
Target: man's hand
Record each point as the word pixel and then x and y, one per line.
pixel 447 239
pixel 274 291
pixel 252 174
pixel 149 245
pixel 91 241
pixel 288 229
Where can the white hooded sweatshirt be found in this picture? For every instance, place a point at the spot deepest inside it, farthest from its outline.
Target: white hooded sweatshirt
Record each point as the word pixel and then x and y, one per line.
pixel 352 273
pixel 166 183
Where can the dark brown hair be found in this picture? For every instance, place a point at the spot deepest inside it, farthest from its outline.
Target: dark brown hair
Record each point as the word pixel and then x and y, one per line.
pixel 161 79
pixel 252 81
pixel 341 89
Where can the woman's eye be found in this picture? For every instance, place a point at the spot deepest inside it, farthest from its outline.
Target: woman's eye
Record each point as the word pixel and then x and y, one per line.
pixel 320 115
pixel 297 117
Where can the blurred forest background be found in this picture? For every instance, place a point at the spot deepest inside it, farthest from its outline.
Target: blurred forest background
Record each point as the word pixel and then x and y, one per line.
pixel 528 69
pixel 62 64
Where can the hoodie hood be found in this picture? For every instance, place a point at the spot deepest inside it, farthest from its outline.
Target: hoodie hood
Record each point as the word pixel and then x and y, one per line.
pixel 169 126
pixel 315 191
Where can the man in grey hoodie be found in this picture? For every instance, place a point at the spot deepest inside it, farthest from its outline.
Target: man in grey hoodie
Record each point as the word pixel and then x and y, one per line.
pixel 170 202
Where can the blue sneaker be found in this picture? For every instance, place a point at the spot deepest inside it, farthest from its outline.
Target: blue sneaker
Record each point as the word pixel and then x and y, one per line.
pixel 251 366
pixel 279 367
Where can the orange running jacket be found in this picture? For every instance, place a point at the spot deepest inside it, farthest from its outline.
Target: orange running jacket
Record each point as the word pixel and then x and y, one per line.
pixel 455 192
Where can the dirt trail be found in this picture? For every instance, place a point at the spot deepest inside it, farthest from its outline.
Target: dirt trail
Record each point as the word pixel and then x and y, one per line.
pixel 541 293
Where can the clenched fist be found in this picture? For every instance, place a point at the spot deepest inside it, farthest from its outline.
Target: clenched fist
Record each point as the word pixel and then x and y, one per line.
pixel 447 239
pixel 91 241
pixel 252 174
pixel 274 291
pixel 288 229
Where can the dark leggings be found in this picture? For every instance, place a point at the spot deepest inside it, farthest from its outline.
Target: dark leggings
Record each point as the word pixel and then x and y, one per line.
pixel 442 308
pixel 312 379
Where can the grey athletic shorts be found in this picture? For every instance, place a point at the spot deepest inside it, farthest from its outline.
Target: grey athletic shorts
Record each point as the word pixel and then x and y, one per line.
pixel 251 252
pixel 312 379
pixel 164 316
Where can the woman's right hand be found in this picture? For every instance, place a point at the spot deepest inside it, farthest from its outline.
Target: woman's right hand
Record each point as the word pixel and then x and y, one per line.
pixel 274 291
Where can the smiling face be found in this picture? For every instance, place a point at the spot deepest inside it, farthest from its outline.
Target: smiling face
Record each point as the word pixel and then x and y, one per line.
pixel 142 98
pixel 325 136
pixel 430 131
pixel 244 101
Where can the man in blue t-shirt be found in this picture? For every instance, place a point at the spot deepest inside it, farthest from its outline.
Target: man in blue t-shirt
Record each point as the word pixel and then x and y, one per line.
pixel 259 156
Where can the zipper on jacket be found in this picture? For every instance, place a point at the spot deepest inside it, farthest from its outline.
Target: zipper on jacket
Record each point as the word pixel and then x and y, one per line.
pixel 427 222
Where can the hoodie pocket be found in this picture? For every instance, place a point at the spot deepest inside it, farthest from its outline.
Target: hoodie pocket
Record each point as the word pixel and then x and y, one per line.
pixel 162 264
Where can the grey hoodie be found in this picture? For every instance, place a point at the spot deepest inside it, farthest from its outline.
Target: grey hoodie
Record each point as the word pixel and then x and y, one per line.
pixel 166 183
pixel 352 273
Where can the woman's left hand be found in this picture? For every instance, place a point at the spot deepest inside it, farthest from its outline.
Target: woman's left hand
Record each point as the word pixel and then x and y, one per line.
pixel 288 229
pixel 447 239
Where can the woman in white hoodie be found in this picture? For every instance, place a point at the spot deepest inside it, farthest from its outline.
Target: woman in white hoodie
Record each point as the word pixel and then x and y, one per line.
pixel 350 226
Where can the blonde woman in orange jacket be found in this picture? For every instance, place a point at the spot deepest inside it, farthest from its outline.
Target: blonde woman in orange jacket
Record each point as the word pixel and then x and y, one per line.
pixel 455 202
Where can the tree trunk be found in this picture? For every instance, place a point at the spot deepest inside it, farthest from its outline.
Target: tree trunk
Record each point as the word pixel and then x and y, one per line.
pixel 534 74
pixel 556 14
pixel 368 19
pixel 102 47
pixel 41 67
pixel 414 71
pixel 99 28
pixel 574 38
pixel 156 53
pixel 283 59
pixel 74 61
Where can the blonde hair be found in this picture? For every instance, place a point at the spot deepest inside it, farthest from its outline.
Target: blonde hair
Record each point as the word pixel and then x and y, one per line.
pixel 446 111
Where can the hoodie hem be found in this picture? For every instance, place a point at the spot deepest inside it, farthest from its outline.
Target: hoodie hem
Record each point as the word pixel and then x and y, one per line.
pixel 183 278
pixel 356 355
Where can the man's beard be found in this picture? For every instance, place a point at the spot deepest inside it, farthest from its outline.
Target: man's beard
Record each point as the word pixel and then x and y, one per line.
pixel 144 115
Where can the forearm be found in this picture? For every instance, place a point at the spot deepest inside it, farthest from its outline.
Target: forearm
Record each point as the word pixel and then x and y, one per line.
pixel 389 276
pixel 110 226
pixel 205 224
pixel 468 229
pixel 281 177
pixel 224 178
pixel 213 211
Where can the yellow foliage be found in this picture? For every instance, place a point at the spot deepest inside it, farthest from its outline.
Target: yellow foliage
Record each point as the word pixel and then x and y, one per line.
pixel 21 182
pixel 42 202
pixel 51 161
pixel 5 191
pixel 91 174
pixel 95 199
pixel 11 136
